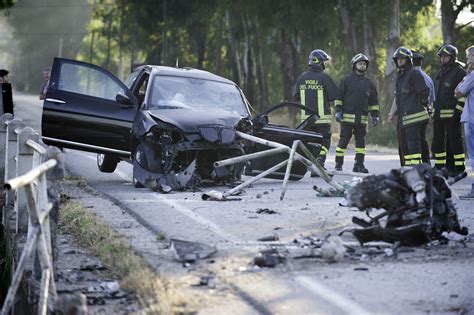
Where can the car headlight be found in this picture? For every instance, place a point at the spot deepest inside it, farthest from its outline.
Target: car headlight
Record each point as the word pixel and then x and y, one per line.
pixel 218 134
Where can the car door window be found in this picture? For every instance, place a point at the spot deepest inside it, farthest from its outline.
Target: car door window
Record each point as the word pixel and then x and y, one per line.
pixel 89 81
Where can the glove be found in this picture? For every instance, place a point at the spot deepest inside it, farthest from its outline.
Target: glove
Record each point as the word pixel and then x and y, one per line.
pixel 338 116
pixel 375 121
pixel 429 109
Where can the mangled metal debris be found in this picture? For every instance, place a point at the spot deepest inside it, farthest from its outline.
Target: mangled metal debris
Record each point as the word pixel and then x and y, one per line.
pixel 309 161
pixel 268 258
pixel 186 251
pixel 417 206
pixel 332 192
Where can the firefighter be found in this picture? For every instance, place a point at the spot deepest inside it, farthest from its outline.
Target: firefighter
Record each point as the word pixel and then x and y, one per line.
pixel 417 63
pixel 358 97
pixel 447 145
pixel 315 89
pixel 411 97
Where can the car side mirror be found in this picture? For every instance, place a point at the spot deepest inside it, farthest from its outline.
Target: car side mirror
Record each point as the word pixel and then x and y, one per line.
pixel 124 100
pixel 260 120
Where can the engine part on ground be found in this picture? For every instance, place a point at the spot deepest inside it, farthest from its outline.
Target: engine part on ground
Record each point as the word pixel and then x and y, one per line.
pixel 417 203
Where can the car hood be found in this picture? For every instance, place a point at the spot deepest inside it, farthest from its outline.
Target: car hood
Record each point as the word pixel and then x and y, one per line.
pixel 188 119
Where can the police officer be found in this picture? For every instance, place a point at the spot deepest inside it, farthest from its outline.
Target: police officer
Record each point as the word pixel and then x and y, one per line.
pixel 411 97
pixel 358 96
pixel 447 137
pixel 315 89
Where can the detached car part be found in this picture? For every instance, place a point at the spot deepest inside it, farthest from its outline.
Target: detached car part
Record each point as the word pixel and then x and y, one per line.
pixel 417 203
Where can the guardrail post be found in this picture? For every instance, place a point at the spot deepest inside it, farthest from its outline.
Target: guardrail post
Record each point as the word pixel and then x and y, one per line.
pixel 24 164
pixel 10 165
pixel 3 145
pixel 54 177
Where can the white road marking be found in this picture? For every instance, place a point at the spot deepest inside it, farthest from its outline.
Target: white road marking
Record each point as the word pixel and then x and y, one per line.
pixel 344 304
pixel 184 210
pixel 196 217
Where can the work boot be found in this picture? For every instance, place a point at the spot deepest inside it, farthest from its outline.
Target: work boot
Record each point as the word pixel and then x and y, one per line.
pixel 338 167
pixel 360 169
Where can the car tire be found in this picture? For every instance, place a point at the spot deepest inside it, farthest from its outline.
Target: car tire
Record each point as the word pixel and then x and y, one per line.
pixel 107 163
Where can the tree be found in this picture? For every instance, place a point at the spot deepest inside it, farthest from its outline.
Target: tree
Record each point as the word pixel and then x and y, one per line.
pixel 393 43
pixel 450 10
pixel 6 4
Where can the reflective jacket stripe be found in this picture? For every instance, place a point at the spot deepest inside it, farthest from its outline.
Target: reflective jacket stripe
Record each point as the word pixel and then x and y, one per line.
pixel 413 118
pixel 374 107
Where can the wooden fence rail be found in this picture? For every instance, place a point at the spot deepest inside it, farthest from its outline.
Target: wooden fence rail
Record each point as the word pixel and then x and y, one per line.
pixel 30 199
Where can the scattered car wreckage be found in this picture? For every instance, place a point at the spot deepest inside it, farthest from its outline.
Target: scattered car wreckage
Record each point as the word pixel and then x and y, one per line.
pixel 172 124
pixel 417 204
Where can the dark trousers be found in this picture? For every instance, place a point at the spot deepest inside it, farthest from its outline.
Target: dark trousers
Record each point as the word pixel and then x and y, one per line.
pixel 325 131
pixel 359 132
pixel 413 145
pixel 448 148
pixel 425 149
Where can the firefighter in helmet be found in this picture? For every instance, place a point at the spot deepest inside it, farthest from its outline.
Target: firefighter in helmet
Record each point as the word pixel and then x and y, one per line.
pixel 358 97
pixel 411 98
pixel 315 89
pixel 447 136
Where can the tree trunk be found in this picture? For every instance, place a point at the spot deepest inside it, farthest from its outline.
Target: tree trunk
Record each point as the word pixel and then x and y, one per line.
pixel 164 60
pixel 121 65
pixel 449 14
pixel 217 57
pixel 289 66
pixel 348 29
pixel 109 39
pixel 448 19
pixel 200 40
pixel 233 54
pixel 369 41
pixel 261 74
pixel 392 45
pixel 248 63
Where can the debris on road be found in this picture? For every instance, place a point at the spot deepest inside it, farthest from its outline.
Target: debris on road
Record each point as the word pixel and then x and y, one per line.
pixel 266 211
pixel 185 251
pixel 269 238
pixel 333 192
pixel 333 249
pixel 417 203
pixel 268 258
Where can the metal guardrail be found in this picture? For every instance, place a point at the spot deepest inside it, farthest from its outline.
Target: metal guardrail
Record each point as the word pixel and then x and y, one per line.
pixel 29 167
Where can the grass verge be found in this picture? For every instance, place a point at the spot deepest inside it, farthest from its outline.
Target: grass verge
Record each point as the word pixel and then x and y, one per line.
pixel 154 294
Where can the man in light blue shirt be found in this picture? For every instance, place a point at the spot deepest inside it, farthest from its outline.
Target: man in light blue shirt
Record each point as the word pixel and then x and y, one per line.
pixel 466 89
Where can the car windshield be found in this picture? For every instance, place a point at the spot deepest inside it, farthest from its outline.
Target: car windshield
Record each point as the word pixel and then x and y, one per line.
pixel 171 92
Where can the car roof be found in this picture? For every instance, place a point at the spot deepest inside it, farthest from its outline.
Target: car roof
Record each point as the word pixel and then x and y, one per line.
pixel 185 72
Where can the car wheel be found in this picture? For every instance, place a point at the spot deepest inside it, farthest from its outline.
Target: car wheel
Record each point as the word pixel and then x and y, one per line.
pixel 107 163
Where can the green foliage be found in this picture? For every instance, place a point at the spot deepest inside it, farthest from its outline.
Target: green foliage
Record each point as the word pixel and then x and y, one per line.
pixel 6 4
pixel 261 45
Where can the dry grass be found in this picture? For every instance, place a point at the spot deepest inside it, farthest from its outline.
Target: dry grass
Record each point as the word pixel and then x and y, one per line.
pixel 155 294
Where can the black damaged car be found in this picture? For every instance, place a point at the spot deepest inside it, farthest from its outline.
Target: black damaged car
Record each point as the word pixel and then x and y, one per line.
pixel 171 123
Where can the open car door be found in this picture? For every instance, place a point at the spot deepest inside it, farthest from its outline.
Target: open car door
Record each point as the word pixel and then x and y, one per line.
pixel 282 132
pixel 87 108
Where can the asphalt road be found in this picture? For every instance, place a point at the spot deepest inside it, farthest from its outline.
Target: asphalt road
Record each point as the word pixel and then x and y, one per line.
pixel 433 279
